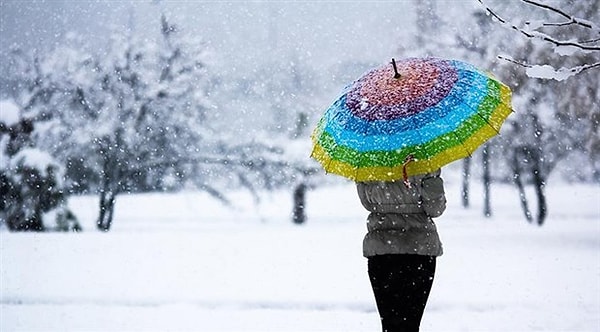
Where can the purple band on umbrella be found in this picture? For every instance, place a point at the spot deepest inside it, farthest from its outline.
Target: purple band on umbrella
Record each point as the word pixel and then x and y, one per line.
pixel 370 97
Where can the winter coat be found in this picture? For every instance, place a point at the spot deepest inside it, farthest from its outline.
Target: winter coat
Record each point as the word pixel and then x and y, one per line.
pixel 400 219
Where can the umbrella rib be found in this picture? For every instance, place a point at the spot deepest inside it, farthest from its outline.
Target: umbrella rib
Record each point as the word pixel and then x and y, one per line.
pixel 328 164
pixel 462 145
pixel 488 123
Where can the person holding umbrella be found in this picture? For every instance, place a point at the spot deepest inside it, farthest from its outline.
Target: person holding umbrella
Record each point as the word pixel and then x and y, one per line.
pixel 401 245
pixel 391 131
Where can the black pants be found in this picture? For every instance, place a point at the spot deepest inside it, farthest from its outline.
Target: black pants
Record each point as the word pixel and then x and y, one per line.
pixel 401 284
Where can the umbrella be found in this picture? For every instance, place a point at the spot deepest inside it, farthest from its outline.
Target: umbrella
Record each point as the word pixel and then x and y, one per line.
pixel 408 118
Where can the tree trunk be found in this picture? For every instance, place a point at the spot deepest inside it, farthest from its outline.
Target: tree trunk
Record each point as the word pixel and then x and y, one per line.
pixel 542 207
pixel 107 207
pixel 487 181
pixel 298 214
pixel 531 155
pixel 538 182
pixel 109 186
pixel 535 154
pixel 466 177
pixel 519 183
pixel 522 196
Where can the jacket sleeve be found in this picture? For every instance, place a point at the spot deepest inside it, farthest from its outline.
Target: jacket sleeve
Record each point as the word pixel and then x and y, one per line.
pixel 362 195
pixel 433 198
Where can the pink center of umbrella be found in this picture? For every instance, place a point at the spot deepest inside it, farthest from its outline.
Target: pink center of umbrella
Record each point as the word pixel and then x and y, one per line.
pixel 422 83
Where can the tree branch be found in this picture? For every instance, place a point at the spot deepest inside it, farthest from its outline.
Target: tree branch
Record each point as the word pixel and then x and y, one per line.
pixel 563 46
pixel 546 71
pixel 544 36
pixel 571 18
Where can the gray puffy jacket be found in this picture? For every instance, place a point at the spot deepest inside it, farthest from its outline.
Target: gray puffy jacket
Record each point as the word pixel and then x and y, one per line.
pixel 400 219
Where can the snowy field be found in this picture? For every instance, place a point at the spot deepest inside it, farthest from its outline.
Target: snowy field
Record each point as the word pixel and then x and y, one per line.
pixel 186 263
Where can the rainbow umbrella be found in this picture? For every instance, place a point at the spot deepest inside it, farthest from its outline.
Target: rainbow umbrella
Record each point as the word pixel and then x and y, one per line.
pixel 410 117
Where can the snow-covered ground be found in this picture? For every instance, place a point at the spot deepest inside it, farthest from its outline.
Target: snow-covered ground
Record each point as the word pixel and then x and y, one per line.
pixel 185 263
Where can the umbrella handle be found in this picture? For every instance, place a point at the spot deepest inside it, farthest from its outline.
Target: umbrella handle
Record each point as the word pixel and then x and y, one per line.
pixel 396 73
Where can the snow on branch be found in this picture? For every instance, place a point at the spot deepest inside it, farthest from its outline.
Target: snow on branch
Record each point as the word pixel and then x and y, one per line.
pixel 562 47
pixel 549 72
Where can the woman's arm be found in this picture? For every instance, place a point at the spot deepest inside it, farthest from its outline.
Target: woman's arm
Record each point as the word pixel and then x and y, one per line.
pixel 433 195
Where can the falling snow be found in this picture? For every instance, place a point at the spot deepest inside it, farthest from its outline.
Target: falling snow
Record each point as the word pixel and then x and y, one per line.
pixel 174 138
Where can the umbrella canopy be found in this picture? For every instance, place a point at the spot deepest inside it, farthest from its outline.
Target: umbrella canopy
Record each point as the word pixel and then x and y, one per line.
pixel 409 118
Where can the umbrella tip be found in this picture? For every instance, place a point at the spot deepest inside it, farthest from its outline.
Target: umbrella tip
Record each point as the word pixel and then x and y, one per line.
pixel 396 73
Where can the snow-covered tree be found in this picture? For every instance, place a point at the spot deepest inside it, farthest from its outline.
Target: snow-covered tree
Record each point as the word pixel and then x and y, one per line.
pixel 556 120
pixel 562 115
pixel 33 196
pixel 567 33
pixel 132 117
pixel 138 117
